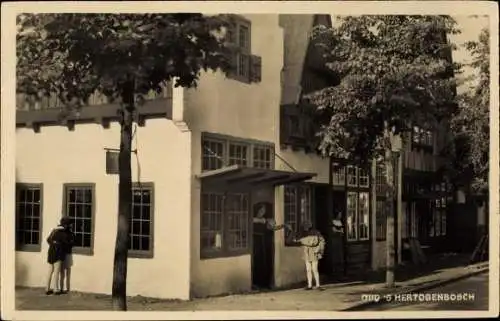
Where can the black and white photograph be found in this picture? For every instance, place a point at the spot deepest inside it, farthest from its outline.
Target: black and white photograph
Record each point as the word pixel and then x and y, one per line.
pixel 323 158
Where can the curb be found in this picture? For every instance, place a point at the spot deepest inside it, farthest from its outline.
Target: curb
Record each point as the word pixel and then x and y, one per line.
pixel 476 270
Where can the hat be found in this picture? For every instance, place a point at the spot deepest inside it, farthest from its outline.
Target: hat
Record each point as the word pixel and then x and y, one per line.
pixel 65 221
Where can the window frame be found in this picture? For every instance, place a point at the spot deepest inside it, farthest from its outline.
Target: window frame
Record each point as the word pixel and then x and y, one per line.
pixel 225 250
pixel 77 249
pixel 143 254
pixel 239 50
pixel 227 141
pixel 29 247
pixel 355 216
pixel 299 190
pixel 368 198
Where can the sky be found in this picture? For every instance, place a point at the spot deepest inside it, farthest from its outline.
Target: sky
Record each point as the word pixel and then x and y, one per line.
pixel 470 27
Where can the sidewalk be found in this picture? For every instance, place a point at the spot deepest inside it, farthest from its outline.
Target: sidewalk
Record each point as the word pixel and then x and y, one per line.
pixel 335 297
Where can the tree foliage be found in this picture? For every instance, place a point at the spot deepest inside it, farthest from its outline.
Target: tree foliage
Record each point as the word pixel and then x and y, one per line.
pixel 73 55
pixel 470 124
pixel 124 57
pixel 393 71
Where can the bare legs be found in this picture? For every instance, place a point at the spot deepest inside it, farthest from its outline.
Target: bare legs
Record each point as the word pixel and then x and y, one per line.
pixel 53 275
pixel 312 270
pixel 65 276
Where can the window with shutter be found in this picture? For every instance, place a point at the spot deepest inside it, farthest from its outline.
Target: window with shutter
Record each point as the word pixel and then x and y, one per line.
pixel 245 66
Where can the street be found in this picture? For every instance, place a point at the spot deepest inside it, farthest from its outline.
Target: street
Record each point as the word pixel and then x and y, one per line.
pixel 476 285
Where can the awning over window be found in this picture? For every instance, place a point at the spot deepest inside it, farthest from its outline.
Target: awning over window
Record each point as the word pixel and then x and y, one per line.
pixel 240 175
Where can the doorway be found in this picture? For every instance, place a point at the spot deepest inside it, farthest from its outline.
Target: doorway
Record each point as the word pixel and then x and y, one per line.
pixel 322 216
pixel 263 239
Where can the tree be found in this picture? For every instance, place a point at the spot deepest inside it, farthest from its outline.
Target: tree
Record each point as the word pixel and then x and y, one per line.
pixel 393 72
pixel 469 149
pixel 123 56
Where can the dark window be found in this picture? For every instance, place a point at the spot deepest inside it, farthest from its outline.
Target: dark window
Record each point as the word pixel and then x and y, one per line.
pixel 224 229
pixel 246 67
pixel 79 207
pixel 262 157
pixel 237 214
pixel 238 154
pixel 243 65
pixel 352 176
pixel 358 216
pixel 363 177
pixel 438 221
pixel 213 154
pixel 298 206
pixel 211 221
pixel 28 217
pixel 338 173
pixel 141 221
pixel 380 179
pixel 219 151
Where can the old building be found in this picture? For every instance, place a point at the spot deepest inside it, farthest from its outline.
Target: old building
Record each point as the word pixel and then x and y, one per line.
pixel 205 162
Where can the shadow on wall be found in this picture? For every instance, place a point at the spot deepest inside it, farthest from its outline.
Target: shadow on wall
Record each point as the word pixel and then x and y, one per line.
pixel 21 273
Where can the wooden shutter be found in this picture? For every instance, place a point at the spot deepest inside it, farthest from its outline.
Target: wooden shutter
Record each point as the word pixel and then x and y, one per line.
pixel 255 68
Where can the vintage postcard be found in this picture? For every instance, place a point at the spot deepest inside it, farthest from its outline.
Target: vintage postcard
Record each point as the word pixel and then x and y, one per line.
pixel 249 160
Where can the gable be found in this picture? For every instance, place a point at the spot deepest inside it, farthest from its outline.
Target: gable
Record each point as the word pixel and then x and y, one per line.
pixel 299 54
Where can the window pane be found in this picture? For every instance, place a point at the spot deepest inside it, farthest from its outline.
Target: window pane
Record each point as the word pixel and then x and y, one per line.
pixel 244 39
pixel 243 65
pixel 363 177
pixel 352 206
pixel 237 212
pixel 364 224
pixel 352 176
pixel 238 155
pixel 291 211
pixel 213 154
pixel 145 244
pixel 262 157
pixel 211 230
pixel 36 210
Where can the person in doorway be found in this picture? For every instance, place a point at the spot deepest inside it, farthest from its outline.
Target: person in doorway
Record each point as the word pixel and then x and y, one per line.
pixel 313 244
pixel 67 263
pixel 336 223
pixel 55 258
pixel 263 229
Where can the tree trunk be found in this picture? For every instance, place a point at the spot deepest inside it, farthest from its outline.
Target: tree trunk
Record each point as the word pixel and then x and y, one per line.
pixel 119 291
pixel 391 251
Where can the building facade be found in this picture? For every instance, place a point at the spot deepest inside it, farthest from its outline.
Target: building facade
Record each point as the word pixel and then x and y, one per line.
pixel 206 161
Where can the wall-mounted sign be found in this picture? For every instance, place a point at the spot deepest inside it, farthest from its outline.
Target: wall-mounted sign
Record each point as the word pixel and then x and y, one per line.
pixel 112 165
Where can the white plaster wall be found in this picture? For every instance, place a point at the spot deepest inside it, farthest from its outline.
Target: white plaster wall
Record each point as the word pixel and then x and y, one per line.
pixel 229 107
pixel 56 156
pixel 289 267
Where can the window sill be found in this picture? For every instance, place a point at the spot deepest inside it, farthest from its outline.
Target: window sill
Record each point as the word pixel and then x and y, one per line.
pixel 83 251
pixel 29 248
pixel 140 254
pixel 223 254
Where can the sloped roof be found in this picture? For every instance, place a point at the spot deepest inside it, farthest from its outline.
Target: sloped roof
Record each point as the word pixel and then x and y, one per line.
pixel 297 29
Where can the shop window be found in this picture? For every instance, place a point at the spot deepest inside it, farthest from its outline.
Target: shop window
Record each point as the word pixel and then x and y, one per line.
pixel 297 206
